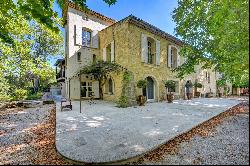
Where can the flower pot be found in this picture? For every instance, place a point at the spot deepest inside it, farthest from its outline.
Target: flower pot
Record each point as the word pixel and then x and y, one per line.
pixel 189 96
pixel 141 100
pixel 197 94
pixel 170 98
pixel 220 94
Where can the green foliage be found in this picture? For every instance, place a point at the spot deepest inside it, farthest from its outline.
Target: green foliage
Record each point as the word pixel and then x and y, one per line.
pixel 18 12
pixel 123 102
pixel 20 94
pixel 170 84
pixel 141 84
pixel 127 77
pixel 220 83
pixel 197 85
pixel 34 96
pixel 101 70
pixel 215 33
pixel 4 88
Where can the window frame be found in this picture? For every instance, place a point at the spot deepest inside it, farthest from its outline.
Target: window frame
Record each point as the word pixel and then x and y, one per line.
pixel 86 37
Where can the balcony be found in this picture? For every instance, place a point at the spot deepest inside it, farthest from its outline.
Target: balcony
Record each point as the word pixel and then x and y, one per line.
pixel 60 76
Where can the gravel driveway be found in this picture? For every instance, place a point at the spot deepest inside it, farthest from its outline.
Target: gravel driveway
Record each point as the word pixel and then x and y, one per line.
pixel 105 133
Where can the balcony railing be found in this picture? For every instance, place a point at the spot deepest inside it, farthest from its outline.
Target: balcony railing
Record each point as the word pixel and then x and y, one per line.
pixel 60 74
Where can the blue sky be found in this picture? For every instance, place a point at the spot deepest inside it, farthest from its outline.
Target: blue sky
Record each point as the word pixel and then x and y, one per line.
pixel 155 12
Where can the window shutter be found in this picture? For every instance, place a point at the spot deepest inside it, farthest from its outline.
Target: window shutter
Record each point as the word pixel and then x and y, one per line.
pixel 95 39
pixel 112 51
pixel 78 35
pixel 144 48
pixel 158 52
pixel 96 89
pixel 178 58
pixel 104 54
pixel 169 56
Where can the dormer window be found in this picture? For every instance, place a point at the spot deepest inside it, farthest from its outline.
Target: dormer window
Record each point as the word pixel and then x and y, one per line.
pixel 86 38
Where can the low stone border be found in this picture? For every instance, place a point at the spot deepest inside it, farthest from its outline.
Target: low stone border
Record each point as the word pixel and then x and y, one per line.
pixel 198 129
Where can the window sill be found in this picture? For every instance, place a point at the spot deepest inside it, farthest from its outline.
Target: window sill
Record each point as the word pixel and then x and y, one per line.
pixel 150 65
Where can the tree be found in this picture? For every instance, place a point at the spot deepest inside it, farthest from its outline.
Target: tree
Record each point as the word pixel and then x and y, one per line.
pixel 215 33
pixel 28 59
pixel 101 70
pixel 40 11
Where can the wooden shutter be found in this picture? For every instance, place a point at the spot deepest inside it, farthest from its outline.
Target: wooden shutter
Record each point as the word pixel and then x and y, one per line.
pixel 178 58
pixel 95 87
pixel 169 56
pixel 78 35
pixel 158 52
pixel 104 54
pixel 95 39
pixel 112 51
pixel 144 48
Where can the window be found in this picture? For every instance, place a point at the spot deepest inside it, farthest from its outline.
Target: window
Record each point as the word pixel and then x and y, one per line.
pixel 94 58
pixel 86 89
pixel 86 38
pixel 108 52
pixel 173 57
pixel 110 86
pixel 208 77
pixel 79 57
pixel 151 50
pixel 150 55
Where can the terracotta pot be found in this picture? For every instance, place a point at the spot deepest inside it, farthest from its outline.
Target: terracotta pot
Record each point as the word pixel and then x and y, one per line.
pixel 189 96
pixel 220 94
pixel 141 100
pixel 170 98
pixel 197 94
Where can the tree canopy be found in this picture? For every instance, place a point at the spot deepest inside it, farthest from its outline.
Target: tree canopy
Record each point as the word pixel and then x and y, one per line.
pixel 40 11
pixel 216 33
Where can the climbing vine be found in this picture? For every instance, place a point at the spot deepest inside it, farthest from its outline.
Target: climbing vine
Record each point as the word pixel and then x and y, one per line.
pixel 124 99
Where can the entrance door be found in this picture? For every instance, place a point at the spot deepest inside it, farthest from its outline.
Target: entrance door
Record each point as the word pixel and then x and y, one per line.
pixel 150 88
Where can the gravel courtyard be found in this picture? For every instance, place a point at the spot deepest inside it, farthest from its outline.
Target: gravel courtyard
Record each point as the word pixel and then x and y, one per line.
pixel 104 133
pixel 27 137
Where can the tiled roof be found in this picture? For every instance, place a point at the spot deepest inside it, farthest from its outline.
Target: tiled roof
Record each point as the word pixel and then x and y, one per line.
pixel 144 25
pixel 88 11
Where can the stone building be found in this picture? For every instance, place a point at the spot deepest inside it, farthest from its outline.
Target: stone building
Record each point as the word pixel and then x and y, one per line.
pixel 146 51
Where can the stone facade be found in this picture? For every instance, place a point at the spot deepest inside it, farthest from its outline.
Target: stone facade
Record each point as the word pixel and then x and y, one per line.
pixel 125 43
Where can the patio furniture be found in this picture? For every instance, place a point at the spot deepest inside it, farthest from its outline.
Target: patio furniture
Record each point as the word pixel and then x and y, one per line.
pixel 91 99
pixel 69 106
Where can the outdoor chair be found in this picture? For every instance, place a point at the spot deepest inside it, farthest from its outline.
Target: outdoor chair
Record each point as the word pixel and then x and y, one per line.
pixel 69 106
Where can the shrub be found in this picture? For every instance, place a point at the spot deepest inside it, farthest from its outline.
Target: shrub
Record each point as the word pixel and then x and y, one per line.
pixel 197 85
pixel 123 102
pixel 34 96
pixel 170 84
pixel 20 94
pixel 141 84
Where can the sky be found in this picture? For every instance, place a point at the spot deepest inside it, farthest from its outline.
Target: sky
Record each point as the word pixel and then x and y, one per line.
pixel 155 12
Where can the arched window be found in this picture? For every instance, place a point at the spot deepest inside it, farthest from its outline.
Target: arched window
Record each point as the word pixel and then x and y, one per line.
pixel 110 86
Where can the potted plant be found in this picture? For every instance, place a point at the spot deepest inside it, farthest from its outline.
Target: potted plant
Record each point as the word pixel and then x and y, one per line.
pixel 170 86
pixel 197 85
pixel 189 86
pixel 141 99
